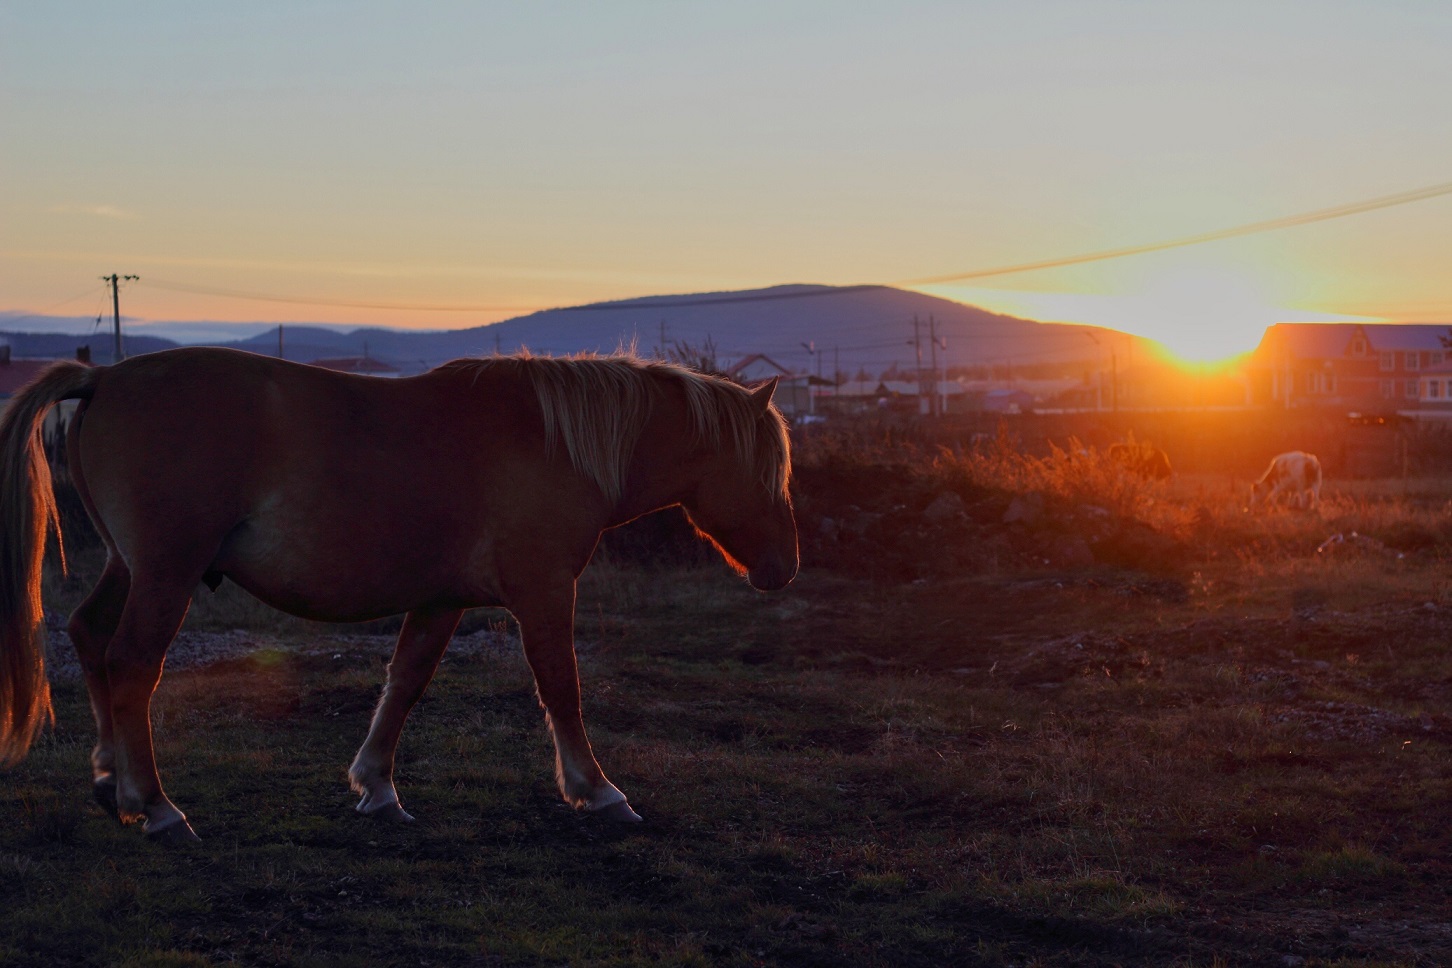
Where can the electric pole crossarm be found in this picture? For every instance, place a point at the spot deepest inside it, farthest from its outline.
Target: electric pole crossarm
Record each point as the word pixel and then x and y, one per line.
pixel 114 281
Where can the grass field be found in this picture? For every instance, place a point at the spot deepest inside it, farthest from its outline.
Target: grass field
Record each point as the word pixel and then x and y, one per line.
pixel 1240 756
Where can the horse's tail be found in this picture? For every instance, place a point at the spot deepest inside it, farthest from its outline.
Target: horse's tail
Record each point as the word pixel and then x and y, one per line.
pixel 27 511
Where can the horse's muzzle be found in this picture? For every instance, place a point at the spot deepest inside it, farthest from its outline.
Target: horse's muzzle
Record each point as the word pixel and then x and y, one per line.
pixel 773 573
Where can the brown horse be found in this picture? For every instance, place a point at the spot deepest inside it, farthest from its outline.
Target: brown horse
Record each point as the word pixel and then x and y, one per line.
pixel 342 498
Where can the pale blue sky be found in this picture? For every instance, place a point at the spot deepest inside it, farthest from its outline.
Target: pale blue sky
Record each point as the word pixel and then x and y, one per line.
pixel 524 155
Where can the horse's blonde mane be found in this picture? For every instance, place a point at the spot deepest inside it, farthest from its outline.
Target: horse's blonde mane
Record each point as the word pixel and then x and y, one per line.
pixel 598 406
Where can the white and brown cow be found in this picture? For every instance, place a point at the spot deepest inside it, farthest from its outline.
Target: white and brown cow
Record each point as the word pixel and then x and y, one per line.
pixel 1295 478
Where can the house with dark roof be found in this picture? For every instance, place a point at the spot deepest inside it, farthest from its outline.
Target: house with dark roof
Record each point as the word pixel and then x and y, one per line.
pixel 1367 367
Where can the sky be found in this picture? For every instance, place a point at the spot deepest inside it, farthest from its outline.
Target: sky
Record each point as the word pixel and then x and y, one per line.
pixel 443 165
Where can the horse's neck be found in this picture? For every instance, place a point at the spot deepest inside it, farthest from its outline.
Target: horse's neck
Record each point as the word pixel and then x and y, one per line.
pixel 664 470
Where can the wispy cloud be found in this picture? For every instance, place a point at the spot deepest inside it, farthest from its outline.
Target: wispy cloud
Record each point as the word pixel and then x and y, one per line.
pixel 98 211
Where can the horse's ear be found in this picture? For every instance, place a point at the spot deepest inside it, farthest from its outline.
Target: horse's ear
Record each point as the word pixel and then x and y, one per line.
pixel 761 396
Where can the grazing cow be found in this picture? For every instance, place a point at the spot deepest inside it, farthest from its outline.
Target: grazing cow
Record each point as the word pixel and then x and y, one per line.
pixel 1141 458
pixel 1297 474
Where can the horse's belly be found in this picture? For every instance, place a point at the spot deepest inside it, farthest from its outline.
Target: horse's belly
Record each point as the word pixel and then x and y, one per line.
pixel 345 574
pixel 316 602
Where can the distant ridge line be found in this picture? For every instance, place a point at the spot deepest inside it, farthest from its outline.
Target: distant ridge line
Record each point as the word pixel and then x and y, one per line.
pixel 669 302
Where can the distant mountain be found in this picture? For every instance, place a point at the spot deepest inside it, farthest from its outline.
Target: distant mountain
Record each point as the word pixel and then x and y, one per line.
pixel 802 327
pixel 62 345
pixel 868 326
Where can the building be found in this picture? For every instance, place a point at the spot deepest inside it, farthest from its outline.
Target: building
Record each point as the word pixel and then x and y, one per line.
pixel 1434 396
pixel 1360 367
pixel 15 373
pixel 1007 400
pixel 903 396
pixel 793 396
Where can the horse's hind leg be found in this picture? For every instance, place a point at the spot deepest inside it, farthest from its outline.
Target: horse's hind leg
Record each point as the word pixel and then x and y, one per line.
pixel 421 644
pixel 91 627
pixel 546 625
pixel 153 613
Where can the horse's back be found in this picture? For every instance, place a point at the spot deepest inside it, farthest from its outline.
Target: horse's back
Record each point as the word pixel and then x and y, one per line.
pixel 218 425
pixel 186 452
pixel 326 494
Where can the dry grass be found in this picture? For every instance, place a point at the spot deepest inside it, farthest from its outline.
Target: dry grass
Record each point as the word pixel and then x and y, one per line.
pixel 1072 474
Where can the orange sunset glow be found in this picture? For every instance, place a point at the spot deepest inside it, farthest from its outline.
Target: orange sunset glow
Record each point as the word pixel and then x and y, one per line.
pixel 452 169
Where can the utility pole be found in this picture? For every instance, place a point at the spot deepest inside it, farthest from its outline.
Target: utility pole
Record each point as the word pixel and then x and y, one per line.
pixel 280 356
pixel 933 409
pixel 813 392
pixel 1099 389
pixel 1290 376
pixel 923 404
pixel 1113 380
pixel 115 282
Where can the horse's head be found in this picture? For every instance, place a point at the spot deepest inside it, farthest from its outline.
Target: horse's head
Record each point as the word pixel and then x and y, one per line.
pixel 741 502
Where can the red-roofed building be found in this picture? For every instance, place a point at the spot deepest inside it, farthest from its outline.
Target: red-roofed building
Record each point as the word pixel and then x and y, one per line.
pixel 1365 367
pixel 14 374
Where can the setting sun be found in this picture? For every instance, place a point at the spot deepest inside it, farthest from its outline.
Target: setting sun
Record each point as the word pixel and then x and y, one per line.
pixel 1200 313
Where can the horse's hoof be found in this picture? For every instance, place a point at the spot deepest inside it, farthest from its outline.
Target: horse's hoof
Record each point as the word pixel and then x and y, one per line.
pixel 390 813
pixel 104 790
pixel 179 834
pixel 617 812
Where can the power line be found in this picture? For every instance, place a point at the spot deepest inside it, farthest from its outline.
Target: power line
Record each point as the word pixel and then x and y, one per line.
pixel 657 302
pixel 1252 228
pixel 38 313
pixel 640 302
pixel 350 304
pixel 1339 211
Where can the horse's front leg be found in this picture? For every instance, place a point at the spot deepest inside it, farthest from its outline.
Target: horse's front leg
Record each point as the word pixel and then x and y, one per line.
pixel 547 626
pixel 421 645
